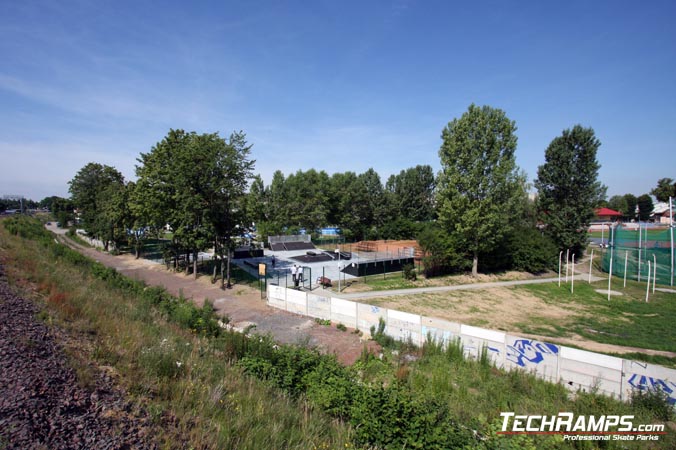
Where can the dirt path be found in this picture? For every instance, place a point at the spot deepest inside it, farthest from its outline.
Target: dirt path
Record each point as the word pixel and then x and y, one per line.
pixel 242 304
pixel 489 305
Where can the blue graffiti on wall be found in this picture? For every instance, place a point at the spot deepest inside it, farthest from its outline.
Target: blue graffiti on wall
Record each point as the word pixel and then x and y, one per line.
pixel 528 351
pixel 643 382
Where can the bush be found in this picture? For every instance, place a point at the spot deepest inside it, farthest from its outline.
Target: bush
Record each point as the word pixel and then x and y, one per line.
pixel 524 249
pixel 655 401
pixel 394 417
pixel 442 254
pixel 380 337
pixel 409 272
pixel 532 251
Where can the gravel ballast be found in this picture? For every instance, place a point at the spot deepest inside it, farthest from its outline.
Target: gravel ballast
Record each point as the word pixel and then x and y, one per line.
pixel 41 403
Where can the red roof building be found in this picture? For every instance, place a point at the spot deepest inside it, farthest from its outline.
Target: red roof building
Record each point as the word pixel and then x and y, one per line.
pixel 607 214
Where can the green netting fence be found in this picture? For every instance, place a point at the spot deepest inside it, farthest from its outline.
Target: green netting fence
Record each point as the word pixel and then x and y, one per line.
pixel 633 249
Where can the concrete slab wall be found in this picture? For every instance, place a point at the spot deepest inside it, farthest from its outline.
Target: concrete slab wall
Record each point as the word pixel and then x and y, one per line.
pixel 277 297
pixel 368 316
pixel 643 376
pixel 475 338
pixel 577 369
pixel 344 311
pixel 296 301
pixel 533 356
pixel 580 369
pixel 319 307
pixel 404 326
pixel 441 331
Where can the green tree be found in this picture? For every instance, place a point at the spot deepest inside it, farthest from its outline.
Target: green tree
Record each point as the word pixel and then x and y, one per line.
pixel 618 203
pixel 645 207
pixel 113 214
pixel 665 188
pixel 60 208
pixel 256 201
pixel 195 184
pixel 278 211
pixel 94 193
pixel 479 182
pixel 307 195
pixel 632 202
pixel 139 226
pixel 568 189
pixel 412 193
pixel 374 207
pixel 350 206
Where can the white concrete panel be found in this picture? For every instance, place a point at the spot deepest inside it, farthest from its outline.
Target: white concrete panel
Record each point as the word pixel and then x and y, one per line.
pixel 277 292
pixel 413 319
pixel 482 333
pixel 341 306
pixel 344 311
pixel 296 297
pixel 318 306
pixel 279 303
pixel 276 297
pixel 609 362
pixel 472 348
pixel 439 330
pixel 638 375
pixel 534 356
pixel 404 326
pixel 577 374
pixel 368 316
pixel 296 301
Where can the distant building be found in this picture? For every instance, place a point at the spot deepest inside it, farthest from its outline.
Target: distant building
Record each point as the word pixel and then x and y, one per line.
pixel 606 215
pixel 661 213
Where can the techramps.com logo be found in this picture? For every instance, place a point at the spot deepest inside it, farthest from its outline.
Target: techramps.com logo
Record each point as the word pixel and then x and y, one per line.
pixel 581 428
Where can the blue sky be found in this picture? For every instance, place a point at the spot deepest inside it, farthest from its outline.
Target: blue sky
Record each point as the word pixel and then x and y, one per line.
pixel 331 85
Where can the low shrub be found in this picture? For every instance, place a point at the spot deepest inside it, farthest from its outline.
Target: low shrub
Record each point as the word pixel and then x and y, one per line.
pixel 409 272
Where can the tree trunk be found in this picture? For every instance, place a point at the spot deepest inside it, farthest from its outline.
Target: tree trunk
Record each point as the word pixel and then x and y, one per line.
pixel 222 271
pixel 475 264
pixel 194 264
pixel 187 262
pixel 228 285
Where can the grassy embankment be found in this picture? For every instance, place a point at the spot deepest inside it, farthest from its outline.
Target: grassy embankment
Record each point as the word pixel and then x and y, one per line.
pixel 193 381
pixel 188 381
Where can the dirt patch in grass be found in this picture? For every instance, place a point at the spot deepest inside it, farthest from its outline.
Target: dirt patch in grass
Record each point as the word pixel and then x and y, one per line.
pixel 514 311
pixel 496 308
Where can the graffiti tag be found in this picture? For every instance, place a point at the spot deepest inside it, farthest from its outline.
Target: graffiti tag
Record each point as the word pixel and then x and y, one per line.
pixel 643 382
pixel 528 351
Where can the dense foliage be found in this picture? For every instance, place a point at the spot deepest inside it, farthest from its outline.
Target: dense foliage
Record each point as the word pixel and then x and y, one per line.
pixel 645 207
pixel 666 187
pixel 479 185
pixel 358 204
pixel 196 184
pixel 98 191
pixel 568 189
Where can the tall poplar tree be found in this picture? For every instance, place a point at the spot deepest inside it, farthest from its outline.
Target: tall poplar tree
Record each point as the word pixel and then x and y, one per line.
pixel 479 183
pixel 568 189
